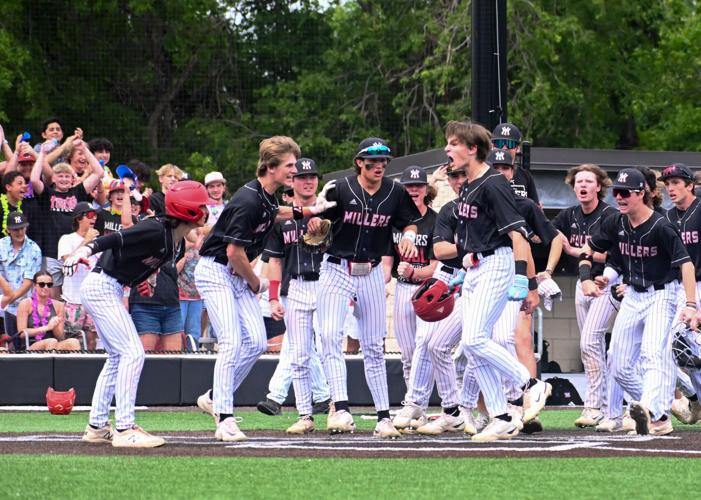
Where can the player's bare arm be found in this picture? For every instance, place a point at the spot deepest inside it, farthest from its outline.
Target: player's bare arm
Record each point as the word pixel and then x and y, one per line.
pixel 444 250
pixel 273 272
pixel 241 266
pixel 689 313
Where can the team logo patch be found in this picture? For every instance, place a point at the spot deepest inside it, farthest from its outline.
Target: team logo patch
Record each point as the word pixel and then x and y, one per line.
pixel 499 155
pixel 306 165
pixel 506 131
pixel 622 177
pixel 353 202
pixel 414 174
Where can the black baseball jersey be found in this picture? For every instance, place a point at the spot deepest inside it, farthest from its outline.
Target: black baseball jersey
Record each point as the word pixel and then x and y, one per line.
pixel 537 224
pixel 133 254
pixel 578 228
pixel 424 244
pixel 688 225
pixel 362 222
pixel 447 230
pixel 650 253
pixel 282 243
pixel 246 221
pixel 487 213
pixel 157 203
pixel 524 185
pixel 108 222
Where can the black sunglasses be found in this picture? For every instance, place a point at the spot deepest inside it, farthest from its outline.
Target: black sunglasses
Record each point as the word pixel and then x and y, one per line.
pixel 371 162
pixel 44 284
pixel 624 193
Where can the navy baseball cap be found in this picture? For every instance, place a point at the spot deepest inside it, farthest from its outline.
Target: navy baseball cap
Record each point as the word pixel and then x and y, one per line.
pixel 82 208
pixel 306 166
pixel 500 157
pixel 630 179
pixel 373 147
pixel 507 131
pixel 16 220
pixel 414 175
pixel 288 191
pixel 678 170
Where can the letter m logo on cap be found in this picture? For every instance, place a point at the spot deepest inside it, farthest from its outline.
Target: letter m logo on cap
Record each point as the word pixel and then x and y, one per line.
pixel 622 177
pixel 306 165
pixel 506 131
pixel 414 174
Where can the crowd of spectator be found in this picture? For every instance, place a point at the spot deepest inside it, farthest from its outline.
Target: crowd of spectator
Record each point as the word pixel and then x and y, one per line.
pixel 59 193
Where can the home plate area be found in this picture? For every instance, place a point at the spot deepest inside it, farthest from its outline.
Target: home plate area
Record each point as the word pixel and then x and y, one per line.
pixel 276 444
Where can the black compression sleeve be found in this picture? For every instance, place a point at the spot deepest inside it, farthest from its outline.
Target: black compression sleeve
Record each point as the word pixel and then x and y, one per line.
pixel 112 240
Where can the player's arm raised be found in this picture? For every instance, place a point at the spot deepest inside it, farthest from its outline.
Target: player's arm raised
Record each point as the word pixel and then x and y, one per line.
pixel 274 275
pixel 321 205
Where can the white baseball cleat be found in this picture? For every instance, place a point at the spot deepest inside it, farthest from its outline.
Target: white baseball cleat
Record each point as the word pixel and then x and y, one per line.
pixel 590 417
pixel 534 399
pixel 385 430
pixel 481 421
pixel 641 416
pixel 228 431
pixel 304 425
pixel 444 423
pixel 102 435
pixel 661 427
pixel 681 410
pixel 516 414
pixel 339 422
pixel 136 437
pixel 408 417
pixel 497 429
pixel 468 420
pixel 205 403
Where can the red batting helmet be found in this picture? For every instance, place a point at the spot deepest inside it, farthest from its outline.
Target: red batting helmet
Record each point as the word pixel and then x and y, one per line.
pixel 60 403
pixel 185 199
pixel 433 300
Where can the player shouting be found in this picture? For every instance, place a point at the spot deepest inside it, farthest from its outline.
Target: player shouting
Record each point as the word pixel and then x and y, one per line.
pixel 369 205
pixel 128 258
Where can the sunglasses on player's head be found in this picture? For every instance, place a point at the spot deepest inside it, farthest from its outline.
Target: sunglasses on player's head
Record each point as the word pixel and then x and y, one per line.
pixel 44 284
pixel 624 193
pixel 509 143
pixel 374 151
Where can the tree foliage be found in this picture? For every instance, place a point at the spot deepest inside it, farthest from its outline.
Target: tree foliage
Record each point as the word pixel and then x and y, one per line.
pixel 200 82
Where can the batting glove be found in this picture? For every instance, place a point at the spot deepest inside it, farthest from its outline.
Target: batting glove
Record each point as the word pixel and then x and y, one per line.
pixel 549 291
pixel 519 290
pixel 80 256
pixel 458 280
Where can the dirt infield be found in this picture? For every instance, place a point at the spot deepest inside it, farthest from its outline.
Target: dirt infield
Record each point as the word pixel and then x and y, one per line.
pixel 363 445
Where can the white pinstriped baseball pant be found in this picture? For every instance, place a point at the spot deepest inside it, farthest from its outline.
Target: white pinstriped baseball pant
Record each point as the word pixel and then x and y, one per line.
pixel 406 324
pixel 336 288
pixel 236 317
pixel 101 294
pixel 594 315
pixel 641 334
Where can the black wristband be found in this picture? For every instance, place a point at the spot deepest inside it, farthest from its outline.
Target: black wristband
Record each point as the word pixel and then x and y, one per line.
pixel 586 256
pixel 521 267
pixel 532 284
pixel 297 212
pixel 584 273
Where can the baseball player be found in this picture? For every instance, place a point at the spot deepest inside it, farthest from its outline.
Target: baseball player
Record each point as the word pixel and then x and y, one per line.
pixel 594 314
pixel 286 258
pixel 128 258
pixel 685 215
pixel 411 272
pixel 507 137
pixel 369 205
pixel 491 225
pixel 653 257
pixel 225 278
pixel 412 415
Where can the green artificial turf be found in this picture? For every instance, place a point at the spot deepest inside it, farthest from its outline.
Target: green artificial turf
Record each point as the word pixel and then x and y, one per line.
pixel 187 420
pixel 200 477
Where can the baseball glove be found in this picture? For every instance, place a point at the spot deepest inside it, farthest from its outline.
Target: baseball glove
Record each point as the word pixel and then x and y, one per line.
pixel 319 241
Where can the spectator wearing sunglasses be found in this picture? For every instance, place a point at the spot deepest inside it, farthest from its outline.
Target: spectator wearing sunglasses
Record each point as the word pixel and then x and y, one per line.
pixel 507 136
pixel 41 318
pixel 20 259
pixel 76 317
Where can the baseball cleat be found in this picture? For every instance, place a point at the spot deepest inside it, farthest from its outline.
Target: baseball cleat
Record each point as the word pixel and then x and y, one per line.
pixel 532 427
pixel 228 431
pixel 304 425
pixel 641 417
pixel 469 420
pixel 534 399
pixel 339 422
pixel 444 423
pixel 681 410
pixel 516 414
pixel 205 403
pixel 385 430
pixel 136 437
pixel 497 429
pixel 695 408
pixel 661 427
pixel 408 417
pixel 102 435
pixel 618 424
pixel 481 421
pixel 270 407
pixel 590 417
